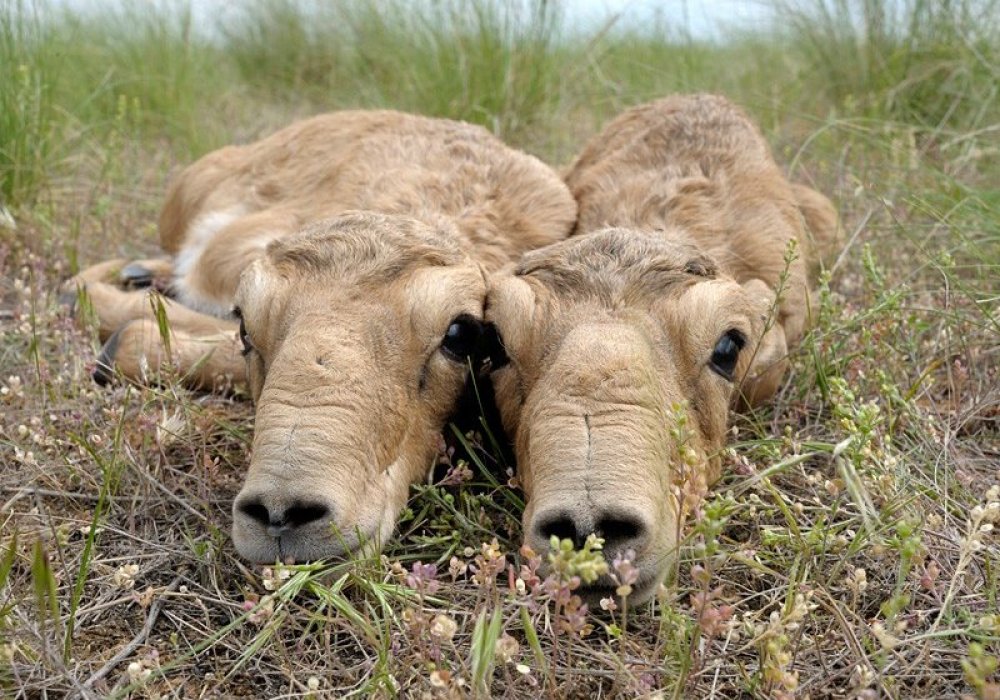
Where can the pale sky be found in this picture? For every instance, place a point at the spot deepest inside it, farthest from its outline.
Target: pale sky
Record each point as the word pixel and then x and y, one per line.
pixel 702 18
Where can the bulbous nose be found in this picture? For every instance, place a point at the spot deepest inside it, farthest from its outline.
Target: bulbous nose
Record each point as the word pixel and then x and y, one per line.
pixel 620 529
pixel 278 516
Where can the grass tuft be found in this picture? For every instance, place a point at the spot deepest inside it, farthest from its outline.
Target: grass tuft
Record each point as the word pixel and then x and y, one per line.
pixel 28 116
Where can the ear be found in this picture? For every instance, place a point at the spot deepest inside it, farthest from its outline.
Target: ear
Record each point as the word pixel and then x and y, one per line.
pixel 769 357
pixel 260 284
pixel 490 353
pixel 510 304
pixel 767 369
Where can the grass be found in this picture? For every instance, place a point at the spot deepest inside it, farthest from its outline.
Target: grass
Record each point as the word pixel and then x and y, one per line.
pixel 848 550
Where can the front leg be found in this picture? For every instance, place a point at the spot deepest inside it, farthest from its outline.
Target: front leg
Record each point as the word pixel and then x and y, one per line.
pixel 115 307
pixel 143 274
pixel 202 347
pixel 130 274
pixel 105 283
pixel 128 302
pixel 209 359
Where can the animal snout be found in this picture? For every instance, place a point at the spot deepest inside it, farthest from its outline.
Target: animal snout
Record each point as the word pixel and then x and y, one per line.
pixel 620 529
pixel 279 516
pixel 298 527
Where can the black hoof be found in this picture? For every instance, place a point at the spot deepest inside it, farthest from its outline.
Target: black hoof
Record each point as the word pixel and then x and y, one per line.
pixel 68 300
pixel 135 276
pixel 104 372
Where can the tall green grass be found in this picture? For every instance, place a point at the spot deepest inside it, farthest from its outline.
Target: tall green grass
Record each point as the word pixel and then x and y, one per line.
pixel 522 69
pixel 28 113
pixel 492 62
pixel 77 83
pixel 934 64
pixel 147 57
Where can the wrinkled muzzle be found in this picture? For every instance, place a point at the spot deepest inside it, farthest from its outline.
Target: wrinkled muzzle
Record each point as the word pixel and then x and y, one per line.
pixel 331 466
pixel 597 457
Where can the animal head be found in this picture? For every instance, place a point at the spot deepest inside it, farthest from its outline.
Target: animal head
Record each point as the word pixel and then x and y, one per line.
pixel 624 351
pixel 358 333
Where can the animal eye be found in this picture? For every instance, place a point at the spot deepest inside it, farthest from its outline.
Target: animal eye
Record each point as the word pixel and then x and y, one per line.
pixel 461 339
pixel 726 352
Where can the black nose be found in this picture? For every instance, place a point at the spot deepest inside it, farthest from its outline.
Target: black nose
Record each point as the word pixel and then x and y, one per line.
pixel 619 530
pixel 280 518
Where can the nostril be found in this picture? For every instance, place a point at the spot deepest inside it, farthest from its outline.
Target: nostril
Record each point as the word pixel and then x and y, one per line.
pixel 278 520
pixel 559 525
pixel 620 530
pixel 304 513
pixel 255 510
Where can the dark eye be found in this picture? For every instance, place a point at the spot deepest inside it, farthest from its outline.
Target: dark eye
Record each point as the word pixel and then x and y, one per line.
pixel 462 338
pixel 726 353
pixel 244 338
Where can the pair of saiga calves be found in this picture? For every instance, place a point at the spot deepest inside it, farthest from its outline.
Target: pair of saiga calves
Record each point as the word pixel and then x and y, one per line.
pixel 369 259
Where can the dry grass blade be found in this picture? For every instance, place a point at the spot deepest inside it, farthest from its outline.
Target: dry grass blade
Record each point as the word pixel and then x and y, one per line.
pixel 138 639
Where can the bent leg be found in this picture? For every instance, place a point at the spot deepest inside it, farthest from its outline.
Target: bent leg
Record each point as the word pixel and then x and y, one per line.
pixel 114 307
pixel 152 272
pixel 111 286
pixel 202 360
pixel 141 274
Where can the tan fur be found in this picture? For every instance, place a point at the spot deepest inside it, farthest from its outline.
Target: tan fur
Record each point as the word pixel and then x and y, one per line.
pixel 350 243
pixel 502 202
pixel 617 417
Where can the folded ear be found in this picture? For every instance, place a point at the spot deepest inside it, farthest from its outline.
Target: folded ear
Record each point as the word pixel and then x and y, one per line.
pixel 769 357
pixel 510 304
pixel 490 353
pixel 770 361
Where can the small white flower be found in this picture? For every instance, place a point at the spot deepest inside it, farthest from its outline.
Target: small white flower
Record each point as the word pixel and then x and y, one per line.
pixel 439 679
pixel 506 648
pixel 443 628
pixel 273 579
pixel 124 577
